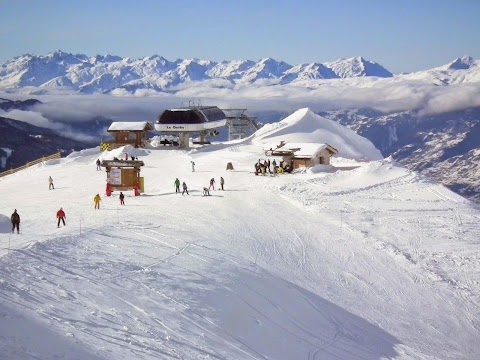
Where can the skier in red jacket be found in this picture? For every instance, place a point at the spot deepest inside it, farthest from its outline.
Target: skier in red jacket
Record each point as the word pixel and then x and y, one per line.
pixel 61 217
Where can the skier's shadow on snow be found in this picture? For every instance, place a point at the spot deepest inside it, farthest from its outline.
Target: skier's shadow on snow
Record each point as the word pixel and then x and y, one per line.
pixel 162 194
pixel 189 192
pixel 231 190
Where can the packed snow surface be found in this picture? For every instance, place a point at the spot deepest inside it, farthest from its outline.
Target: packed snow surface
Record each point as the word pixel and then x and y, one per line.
pixel 369 263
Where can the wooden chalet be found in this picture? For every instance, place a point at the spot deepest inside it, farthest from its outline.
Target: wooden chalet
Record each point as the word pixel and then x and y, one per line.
pixel 130 133
pixel 303 155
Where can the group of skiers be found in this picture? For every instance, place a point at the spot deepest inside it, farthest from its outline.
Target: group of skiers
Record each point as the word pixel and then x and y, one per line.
pixel 206 191
pixel 261 167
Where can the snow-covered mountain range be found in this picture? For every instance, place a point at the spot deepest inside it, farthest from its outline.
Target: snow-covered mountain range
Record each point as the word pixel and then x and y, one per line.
pixel 104 74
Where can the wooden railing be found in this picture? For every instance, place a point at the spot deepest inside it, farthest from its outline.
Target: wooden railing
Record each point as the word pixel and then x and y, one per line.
pixel 55 156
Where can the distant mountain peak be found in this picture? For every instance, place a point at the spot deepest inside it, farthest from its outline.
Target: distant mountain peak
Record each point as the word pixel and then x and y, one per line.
pixel 463 63
pixel 357 66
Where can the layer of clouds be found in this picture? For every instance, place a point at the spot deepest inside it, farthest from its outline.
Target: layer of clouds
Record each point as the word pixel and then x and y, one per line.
pixel 37 119
pixel 384 95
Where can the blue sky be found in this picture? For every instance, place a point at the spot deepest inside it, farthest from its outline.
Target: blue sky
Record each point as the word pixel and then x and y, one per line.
pixel 402 35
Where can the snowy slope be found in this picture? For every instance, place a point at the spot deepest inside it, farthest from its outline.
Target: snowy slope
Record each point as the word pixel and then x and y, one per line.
pixel 372 263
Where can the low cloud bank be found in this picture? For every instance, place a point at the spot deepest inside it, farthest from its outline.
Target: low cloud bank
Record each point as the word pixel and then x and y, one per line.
pixel 380 94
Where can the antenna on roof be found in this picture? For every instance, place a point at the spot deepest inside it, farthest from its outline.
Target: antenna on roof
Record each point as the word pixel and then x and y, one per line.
pixel 192 104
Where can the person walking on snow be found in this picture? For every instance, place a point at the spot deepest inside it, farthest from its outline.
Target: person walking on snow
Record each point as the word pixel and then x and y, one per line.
pixel 97 200
pixel 98 165
pixel 212 184
pixel 15 218
pixel 61 217
pixel 177 185
pixel 184 186
pixel 193 166
pixel 222 182
pixel 50 183
pixel 121 197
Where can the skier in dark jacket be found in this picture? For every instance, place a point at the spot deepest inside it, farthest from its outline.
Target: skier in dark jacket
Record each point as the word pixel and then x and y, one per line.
pixel 98 165
pixel 177 185
pixel 212 184
pixel 121 197
pixel 15 218
pixel 184 186
pixel 222 182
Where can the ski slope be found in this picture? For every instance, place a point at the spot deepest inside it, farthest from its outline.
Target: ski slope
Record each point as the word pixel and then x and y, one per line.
pixel 370 263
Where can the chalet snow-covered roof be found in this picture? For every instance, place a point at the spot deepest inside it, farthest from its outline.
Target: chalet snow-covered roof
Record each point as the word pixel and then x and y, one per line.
pixel 300 150
pixel 196 115
pixel 308 150
pixel 130 126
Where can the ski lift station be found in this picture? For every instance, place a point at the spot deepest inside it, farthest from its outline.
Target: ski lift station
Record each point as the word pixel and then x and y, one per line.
pixel 203 120
pixel 200 123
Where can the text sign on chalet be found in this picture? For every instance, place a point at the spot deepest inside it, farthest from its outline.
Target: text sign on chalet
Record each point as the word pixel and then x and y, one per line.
pixel 119 163
pixel 175 127
pixel 115 163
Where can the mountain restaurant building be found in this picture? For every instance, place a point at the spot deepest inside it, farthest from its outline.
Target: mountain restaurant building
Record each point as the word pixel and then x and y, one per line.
pixel 303 155
pixel 130 133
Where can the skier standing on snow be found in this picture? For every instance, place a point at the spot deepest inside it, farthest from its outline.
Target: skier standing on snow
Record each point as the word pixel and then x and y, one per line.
pixel 121 197
pixel 15 218
pixel 185 190
pixel 212 184
pixel 50 183
pixel 98 165
pixel 177 185
pixel 61 217
pixel 97 200
pixel 193 166
pixel 222 182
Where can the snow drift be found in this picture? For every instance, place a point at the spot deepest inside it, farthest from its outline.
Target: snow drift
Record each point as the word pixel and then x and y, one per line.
pixel 306 126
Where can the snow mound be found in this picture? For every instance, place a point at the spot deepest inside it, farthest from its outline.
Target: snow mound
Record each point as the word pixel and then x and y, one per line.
pixel 304 126
pixel 121 151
